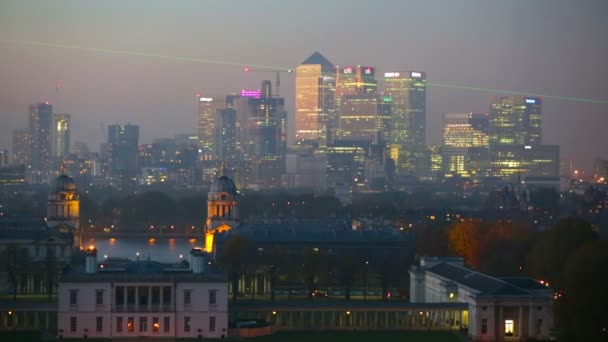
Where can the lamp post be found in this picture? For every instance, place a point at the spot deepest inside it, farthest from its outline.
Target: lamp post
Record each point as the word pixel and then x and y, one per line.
pixel 365 280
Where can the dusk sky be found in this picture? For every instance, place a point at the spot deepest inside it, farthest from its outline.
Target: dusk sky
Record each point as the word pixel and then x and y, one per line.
pixel 549 47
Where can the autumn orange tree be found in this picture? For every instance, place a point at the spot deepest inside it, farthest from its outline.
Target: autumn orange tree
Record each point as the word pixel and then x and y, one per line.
pixel 464 239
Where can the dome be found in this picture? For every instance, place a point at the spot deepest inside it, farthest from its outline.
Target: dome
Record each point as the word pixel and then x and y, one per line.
pixel 223 184
pixel 64 183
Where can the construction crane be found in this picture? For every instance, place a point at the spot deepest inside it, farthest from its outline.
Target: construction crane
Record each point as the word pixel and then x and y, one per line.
pixel 278 73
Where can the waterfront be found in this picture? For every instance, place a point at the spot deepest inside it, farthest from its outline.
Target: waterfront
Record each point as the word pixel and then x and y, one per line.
pixel 156 248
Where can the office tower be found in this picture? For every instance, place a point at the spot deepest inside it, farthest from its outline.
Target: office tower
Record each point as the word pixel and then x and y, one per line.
pixel 315 88
pixel 207 113
pixel 407 91
pixel 515 120
pixel 364 117
pixel 22 147
pixel 40 125
pixel 346 164
pixel 465 130
pixel 350 81
pixel 226 135
pixel 267 140
pixel 62 135
pixel 122 148
pixel 4 159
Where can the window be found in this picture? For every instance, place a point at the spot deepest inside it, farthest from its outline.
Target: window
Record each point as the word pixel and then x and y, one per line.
pixel 539 325
pixel 155 324
pixel 212 323
pixel 130 324
pixel 484 308
pixel 99 324
pixel 212 297
pixel 187 323
pixel 143 324
pixel 167 324
pixel 73 297
pixel 484 326
pixel 187 297
pixel 118 324
pixel 508 327
pixel 99 297
pixel 539 308
pixel 73 324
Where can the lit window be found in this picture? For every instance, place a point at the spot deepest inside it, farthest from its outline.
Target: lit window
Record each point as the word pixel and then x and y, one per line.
pixel 508 327
pixel 155 324
pixel 130 324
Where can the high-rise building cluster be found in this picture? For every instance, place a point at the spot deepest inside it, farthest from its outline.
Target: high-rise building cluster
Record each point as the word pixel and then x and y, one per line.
pixel 355 130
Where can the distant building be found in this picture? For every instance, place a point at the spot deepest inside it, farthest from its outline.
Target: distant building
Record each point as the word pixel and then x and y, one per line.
pixel 305 169
pixel 364 117
pixel 350 80
pixel 315 87
pixel 4 158
pixel 122 298
pixel 407 92
pixel 226 135
pixel 207 114
pixel 63 211
pixel 12 175
pixel 122 147
pixel 61 135
pixel 222 208
pixel 499 308
pixel 22 140
pixel 515 120
pixel 40 125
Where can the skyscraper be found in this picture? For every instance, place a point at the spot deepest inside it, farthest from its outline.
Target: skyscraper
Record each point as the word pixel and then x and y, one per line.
pixel 515 120
pixel 62 135
pixel 22 140
pixel 364 117
pixel 4 160
pixel 40 125
pixel 123 143
pixel 465 130
pixel 407 91
pixel 315 87
pixel 207 114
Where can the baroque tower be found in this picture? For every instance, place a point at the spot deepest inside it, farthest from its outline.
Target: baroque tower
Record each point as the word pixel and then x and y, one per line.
pixel 63 210
pixel 222 208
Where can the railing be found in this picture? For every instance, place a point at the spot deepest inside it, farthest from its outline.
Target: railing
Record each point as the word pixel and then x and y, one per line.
pixel 143 308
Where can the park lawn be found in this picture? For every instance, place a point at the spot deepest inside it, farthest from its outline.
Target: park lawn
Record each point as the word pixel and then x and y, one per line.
pixel 361 336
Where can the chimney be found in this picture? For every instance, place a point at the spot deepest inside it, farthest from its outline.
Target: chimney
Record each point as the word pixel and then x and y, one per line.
pixel 91 260
pixel 197 260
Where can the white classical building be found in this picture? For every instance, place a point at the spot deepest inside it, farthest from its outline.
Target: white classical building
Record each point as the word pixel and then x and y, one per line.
pixel 124 299
pixel 500 309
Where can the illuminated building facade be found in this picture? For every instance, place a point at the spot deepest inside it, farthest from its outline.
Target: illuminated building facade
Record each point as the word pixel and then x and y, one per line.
pixel 515 120
pixel 4 158
pixel 226 135
pixel 346 163
pixel 315 88
pixel 63 210
pixel 21 147
pixel 267 139
pixel 40 125
pixel 465 144
pixel 407 91
pixel 122 147
pixel 364 117
pixel 62 135
pixel 207 114
pixel 222 208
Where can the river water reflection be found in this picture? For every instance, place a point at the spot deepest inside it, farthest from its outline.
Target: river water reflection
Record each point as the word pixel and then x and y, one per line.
pixel 158 249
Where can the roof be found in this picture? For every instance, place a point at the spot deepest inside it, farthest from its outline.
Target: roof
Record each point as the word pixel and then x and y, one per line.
pixel 371 305
pixel 29 229
pixel 318 58
pixel 121 270
pixel 223 184
pixel 64 183
pixel 483 283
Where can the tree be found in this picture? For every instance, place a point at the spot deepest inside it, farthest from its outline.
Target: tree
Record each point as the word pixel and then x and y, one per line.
pixel 581 312
pixel 273 259
pixel 310 269
pixel 348 268
pixel 547 258
pixel 464 239
pixel 504 247
pixel 234 258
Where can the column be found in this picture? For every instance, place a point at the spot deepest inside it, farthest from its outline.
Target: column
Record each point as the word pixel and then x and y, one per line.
pixel 501 322
pixel 149 298
pixel 136 298
pixel 124 297
pixel 520 326
pixel 531 329
pixel 161 298
pixel 47 318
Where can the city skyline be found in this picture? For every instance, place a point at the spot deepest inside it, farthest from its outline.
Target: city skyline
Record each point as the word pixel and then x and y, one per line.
pixel 96 87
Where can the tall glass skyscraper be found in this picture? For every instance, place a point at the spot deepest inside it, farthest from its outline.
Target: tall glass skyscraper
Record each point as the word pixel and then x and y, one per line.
pixel 207 115
pixel 40 125
pixel 515 120
pixel 62 135
pixel 315 88
pixel 123 143
pixel 364 117
pixel 407 91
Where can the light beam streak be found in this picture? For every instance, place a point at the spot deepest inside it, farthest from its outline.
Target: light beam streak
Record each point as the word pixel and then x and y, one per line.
pixel 281 68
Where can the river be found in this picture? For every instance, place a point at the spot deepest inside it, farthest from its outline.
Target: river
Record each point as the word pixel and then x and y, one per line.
pixel 156 248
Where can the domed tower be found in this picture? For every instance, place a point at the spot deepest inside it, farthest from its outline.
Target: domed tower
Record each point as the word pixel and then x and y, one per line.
pixel 63 211
pixel 222 208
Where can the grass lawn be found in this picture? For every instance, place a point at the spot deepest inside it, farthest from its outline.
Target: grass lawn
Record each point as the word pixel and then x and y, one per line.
pixel 361 336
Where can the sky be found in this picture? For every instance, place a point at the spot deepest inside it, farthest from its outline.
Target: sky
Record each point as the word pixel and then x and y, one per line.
pixel 106 54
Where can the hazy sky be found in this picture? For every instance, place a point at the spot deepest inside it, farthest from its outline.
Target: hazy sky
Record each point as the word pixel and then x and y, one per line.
pixel 553 47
